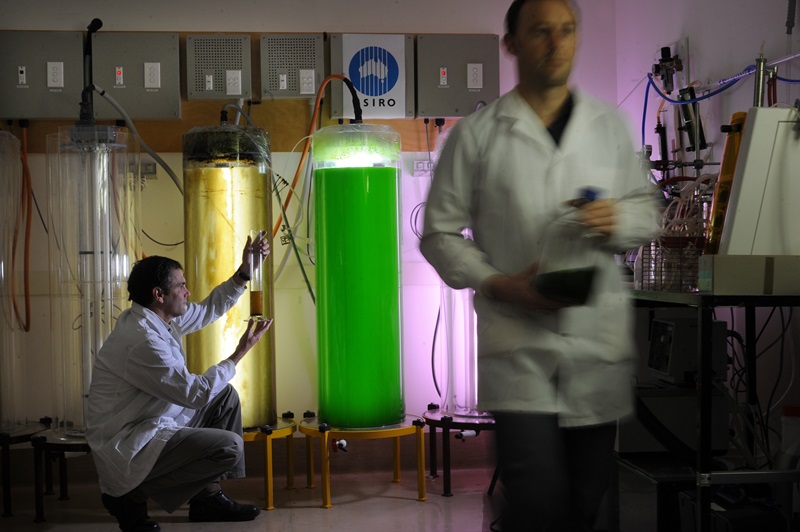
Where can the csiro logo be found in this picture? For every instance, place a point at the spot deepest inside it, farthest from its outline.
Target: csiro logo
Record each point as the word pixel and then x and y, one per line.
pixel 373 71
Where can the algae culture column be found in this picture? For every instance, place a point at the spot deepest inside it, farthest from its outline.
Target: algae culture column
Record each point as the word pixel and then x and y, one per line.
pixel 357 243
pixel 226 175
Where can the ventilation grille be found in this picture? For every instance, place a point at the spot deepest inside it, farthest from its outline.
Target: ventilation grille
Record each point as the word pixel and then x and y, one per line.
pixel 214 54
pixel 284 56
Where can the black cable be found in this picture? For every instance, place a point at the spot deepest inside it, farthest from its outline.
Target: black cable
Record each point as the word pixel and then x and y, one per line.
pixel 433 352
pixel 764 326
pixel 291 238
pixel 308 218
pixel 784 328
pixel 414 219
pixel 161 243
pixel 356 103
pixel 39 211
pixel 24 125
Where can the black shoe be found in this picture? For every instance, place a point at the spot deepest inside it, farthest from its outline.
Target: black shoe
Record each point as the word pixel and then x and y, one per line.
pixel 220 507
pixel 131 516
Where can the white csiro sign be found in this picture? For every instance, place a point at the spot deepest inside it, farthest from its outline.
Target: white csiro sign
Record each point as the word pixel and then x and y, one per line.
pixel 376 66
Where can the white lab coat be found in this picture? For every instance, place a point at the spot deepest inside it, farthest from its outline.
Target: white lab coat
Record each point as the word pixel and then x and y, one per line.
pixel 502 175
pixel 142 392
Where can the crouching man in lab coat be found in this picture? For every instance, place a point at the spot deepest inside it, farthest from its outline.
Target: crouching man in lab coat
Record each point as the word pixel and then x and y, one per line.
pixel 156 430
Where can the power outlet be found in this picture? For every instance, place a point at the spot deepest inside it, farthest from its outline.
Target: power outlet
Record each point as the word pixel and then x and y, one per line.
pixel 233 82
pixel 680 49
pixel 308 84
pixel 152 75
pixel 55 74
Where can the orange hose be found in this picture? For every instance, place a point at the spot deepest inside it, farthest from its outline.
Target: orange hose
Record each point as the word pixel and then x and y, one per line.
pixel 306 146
pixel 27 212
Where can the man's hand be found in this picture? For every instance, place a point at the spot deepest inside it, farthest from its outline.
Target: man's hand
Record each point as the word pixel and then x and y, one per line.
pixel 599 216
pixel 258 248
pixel 252 334
pixel 518 290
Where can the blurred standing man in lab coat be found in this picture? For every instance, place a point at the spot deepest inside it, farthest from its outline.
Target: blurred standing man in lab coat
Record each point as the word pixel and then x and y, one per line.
pixel 155 429
pixel 555 377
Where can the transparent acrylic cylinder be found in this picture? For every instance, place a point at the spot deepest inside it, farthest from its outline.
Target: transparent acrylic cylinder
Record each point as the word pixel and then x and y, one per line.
pixel 458 366
pixel 93 202
pixel 10 194
pixel 227 193
pixel 357 243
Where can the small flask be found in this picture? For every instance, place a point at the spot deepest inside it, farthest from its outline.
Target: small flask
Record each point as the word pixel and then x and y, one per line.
pixel 568 265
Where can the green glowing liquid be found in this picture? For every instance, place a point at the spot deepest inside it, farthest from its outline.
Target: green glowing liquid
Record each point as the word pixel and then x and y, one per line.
pixel 358 297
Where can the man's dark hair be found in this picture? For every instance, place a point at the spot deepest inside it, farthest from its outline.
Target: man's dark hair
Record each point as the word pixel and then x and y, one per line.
pixel 512 15
pixel 149 273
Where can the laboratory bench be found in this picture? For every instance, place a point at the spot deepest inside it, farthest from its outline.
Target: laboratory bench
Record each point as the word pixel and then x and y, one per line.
pixel 705 476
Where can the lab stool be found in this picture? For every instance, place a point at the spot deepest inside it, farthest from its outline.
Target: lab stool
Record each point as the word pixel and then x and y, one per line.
pixel 436 418
pixel 18 434
pixel 49 445
pixel 284 428
pixel 410 425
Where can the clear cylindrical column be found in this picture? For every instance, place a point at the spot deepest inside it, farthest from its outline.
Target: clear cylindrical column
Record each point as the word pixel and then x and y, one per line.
pixel 93 193
pixel 226 176
pixel 10 194
pixel 459 365
pixel 357 244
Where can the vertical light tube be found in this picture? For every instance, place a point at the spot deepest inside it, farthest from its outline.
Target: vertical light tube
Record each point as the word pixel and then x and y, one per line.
pixel 10 193
pixel 226 177
pixel 357 244
pixel 92 198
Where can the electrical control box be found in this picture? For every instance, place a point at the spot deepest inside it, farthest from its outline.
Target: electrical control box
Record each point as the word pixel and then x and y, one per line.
pixel 381 68
pixel 218 67
pixel 456 74
pixel 140 71
pixel 41 74
pixel 292 65
pixel 673 355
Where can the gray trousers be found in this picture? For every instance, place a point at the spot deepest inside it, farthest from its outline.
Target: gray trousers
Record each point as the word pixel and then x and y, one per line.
pixel 208 449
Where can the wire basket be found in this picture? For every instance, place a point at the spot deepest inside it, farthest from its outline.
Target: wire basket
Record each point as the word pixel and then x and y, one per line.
pixel 670 264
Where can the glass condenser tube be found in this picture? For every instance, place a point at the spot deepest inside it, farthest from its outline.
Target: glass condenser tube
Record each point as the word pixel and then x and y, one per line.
pixel 226 175
pixel 357 244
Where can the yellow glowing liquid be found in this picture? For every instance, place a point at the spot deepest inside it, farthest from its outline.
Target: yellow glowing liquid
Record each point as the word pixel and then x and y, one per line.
pixel 222 204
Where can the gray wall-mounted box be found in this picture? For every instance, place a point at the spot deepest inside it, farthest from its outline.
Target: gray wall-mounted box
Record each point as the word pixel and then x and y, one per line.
pixel 218 67
pixel 292 65
pixel 41 74
pixel 381 67
pixel 456 74
pixel 140 71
